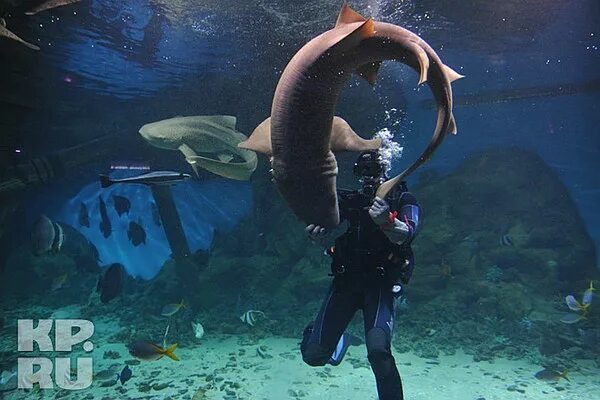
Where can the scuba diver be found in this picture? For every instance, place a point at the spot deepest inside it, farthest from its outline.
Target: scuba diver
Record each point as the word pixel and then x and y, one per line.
pixel 371 261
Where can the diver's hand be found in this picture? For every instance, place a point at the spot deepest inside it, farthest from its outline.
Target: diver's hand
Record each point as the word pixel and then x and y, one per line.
pixel 380 211
pixel 323 237
pixel 397 232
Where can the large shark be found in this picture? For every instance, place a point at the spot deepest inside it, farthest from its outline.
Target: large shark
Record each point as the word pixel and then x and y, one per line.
pixel 302 132
pixel 208 142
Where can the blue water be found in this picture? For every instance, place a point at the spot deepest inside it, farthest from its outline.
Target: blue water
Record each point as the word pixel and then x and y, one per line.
pixel 171 52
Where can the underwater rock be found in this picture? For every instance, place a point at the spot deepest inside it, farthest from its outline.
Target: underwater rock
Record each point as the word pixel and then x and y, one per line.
pixel 549 346
pixel 494 194
pixel 111 355
pixel 504 192
pixel 161 386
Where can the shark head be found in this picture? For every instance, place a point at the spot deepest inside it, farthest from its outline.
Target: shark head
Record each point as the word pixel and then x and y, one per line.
pixel 162 135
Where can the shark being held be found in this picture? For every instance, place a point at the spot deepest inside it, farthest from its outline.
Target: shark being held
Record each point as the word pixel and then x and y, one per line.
pixel 302 133
pixel 208 142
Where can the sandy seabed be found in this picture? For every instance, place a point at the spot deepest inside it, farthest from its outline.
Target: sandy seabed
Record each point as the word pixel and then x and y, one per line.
pixel 228 367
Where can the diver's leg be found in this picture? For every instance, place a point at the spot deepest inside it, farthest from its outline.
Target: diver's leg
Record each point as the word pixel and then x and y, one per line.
pixel 320 338
pixel 378 310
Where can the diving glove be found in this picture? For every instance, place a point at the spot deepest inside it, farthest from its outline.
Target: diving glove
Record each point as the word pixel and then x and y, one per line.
pixel 323 237
pixel 380 211
pixel 395 230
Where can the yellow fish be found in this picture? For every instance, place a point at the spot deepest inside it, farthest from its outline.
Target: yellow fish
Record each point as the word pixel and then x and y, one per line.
pixel 171 309
pixel 59 282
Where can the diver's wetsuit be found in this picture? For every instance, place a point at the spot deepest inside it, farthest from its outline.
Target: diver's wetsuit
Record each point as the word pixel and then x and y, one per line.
pixel 365 266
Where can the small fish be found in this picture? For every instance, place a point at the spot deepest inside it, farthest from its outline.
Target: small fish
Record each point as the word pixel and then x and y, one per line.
pixel 151 178
pixel 4 32
pixel 111 284
pixel 445 270
pixel 59 282
pixel 105 225
pixel 122 204
pixel 571 318
pixel 125 375
pixel 50 4
pixel 84 218
pixel 198 329
pixel 588 295
pixel 261 351
pixel 506 240
pixel 148 351
pixel 548 374
pixel 249 317
pixel 46 236
pixel 136 234
pixel 573 304
pixel 155 214
pixel 171 309
pixel 6 376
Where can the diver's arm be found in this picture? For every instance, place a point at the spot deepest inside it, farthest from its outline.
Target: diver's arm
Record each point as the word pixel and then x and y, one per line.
pixel 399 227
pixel 410 213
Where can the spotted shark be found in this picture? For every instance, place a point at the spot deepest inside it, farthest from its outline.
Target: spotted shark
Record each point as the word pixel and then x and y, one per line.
pixel 302 132
pixel 207 141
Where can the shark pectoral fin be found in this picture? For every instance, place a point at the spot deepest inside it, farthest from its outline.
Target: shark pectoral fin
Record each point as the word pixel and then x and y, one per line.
pixel 343 138
pixel 347 16
pixel 190 156
pixel 369 71
pixel 422 60
pixel 452 74
pixel 452 125
pixel 260 139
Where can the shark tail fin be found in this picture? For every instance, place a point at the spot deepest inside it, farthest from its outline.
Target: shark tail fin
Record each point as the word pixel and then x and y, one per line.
pixel 170 352
pixel 105 181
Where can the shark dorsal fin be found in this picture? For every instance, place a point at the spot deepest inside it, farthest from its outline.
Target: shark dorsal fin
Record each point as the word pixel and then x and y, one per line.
pixel 347 16
pixel 348 39
pixel 227 121
pixel 343 138
pixel 260 139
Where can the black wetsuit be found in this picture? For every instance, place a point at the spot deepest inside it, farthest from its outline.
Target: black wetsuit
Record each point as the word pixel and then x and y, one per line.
pixel 365 266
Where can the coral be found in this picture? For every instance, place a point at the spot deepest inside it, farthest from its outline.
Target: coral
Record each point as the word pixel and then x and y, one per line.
pixel 493 274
